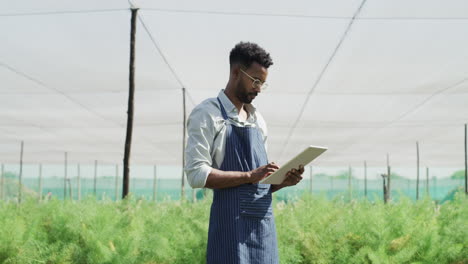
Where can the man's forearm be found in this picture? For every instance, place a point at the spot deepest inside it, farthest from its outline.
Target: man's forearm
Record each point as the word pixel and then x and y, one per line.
pixel 218 179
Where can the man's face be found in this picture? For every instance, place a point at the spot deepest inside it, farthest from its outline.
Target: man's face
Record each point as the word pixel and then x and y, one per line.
pixel 245 91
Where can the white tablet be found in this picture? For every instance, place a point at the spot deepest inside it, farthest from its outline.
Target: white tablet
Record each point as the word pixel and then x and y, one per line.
pixel 303 158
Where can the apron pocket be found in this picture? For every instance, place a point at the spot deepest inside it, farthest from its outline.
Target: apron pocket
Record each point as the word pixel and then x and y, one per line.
pixel 255 200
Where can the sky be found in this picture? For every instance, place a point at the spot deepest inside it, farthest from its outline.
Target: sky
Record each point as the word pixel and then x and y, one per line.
pixel 364 87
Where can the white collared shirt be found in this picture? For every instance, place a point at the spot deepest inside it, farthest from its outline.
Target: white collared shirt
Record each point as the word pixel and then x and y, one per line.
pixel 207 136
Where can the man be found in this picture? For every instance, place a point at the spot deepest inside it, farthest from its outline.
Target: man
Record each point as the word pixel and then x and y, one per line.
pixel 226 152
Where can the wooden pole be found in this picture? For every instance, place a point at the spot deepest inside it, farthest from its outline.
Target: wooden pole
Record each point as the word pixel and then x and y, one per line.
pixel 417 170
pixel 20 173
pixel 182 195
pixel 365 179
pixel 116 182
pixel 384 188
pixel 466 163
pixel 40 182
pixel 2 182
pixel 65 178
pixel 155 187
pixel 128 138
pixel 311 176
pixel 79 182
pixel 95 179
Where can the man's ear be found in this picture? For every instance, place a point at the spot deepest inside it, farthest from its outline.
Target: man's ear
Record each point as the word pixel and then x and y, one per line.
pixel 235 71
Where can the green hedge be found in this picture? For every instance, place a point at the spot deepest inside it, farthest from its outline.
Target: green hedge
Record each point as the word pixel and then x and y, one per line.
pixel 310 230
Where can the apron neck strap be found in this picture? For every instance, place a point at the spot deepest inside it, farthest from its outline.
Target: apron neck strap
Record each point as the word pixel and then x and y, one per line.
pixel 223 111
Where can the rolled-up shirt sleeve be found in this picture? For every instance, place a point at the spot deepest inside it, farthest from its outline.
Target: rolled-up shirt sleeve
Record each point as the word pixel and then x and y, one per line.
pixel 198 161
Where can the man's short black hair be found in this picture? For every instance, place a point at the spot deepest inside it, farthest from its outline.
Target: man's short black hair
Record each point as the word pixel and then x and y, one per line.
pixel 245 53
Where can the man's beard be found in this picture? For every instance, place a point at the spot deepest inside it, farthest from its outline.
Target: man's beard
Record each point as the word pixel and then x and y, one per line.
pixel 246 98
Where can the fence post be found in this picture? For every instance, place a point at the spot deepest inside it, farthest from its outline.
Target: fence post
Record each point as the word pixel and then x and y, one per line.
pixel 95 179
pixel 116 182
pixel 182 192
pixel 65 178
pixel 466 162
pixel 365 179
pixel 417 170
pixel 155 183
pixel 427 181
pixel 79 182
pixel 2 182
pixel 70 189
pixel 40 182
pixel 349 183
pixel 20 174
pixel 384 188
pixel 389 175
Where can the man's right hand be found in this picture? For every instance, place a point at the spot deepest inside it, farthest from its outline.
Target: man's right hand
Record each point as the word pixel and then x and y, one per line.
pixel 259 173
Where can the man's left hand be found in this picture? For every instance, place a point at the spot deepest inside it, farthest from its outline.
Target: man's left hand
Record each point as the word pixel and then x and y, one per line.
pixel 293 177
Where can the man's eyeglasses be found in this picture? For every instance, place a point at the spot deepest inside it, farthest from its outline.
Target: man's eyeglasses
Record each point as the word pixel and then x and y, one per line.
pixel 256 83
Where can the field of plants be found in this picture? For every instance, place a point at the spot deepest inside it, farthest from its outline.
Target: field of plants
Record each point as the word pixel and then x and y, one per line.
pixel 311 229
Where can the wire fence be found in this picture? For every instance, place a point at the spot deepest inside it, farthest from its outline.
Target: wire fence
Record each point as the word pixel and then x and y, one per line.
pixel 163 189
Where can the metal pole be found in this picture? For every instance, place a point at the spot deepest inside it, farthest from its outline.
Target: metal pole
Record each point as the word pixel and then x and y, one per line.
pixel 40 182
pixel 389 195
pixel 417 170
pixel 79 182
pixel 427 181
pixel 466 164
pixel 365 179
pixel 154 183
pixel 70 189
pixel 128 138
pixel 20 173
pixel 2 182
pixel 95 179
pixel 184 120
pixel 116 182
pixel 349 182
pixel 65 178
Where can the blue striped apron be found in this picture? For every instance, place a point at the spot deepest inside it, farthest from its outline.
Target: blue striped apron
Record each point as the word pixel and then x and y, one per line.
pixel 242 228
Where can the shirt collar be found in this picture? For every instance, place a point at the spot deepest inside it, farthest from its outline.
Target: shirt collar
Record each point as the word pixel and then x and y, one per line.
pixel 231 109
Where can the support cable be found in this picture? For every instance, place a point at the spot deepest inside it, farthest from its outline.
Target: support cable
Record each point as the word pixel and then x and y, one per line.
pixel 63 12
pixel 42 84
pixel 410 111
pixel 343 37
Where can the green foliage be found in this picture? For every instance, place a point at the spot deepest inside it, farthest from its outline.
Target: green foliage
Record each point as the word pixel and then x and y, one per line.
pixel 10 175
pixel 11 189
pixel 321 175
pixel 460 174
pixel 310 230
pixel 396 176
pixel 342 175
